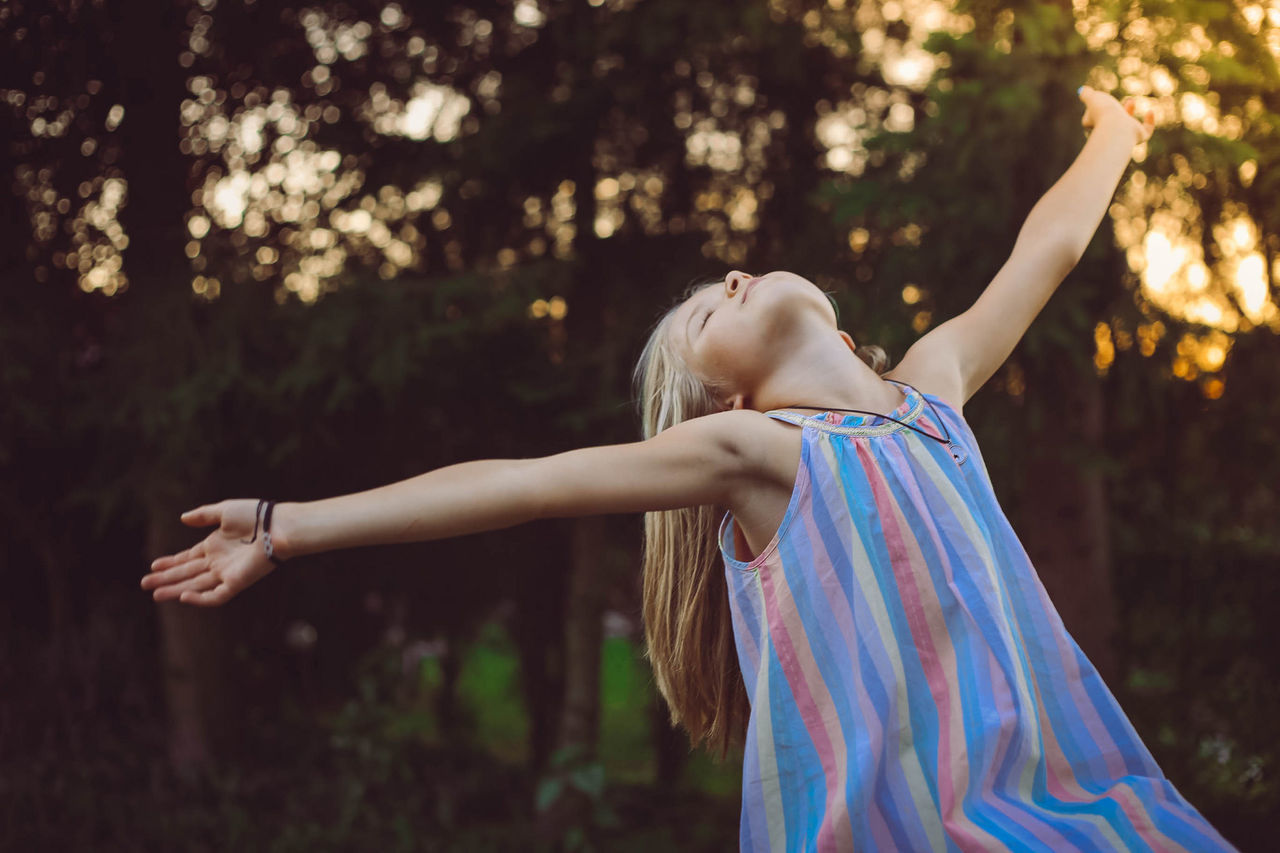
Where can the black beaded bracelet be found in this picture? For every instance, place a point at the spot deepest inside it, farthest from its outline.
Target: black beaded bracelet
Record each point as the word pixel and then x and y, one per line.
pixel 266 535
pixel 257 518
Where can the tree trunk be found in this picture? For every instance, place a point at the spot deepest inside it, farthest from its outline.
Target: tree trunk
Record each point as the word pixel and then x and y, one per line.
pixel 584 634
pixel 190 652
pixel 152 88
pixel 1064 528
pixel 540 639
pixel 580 715
pixel 145 44
pixel 447 698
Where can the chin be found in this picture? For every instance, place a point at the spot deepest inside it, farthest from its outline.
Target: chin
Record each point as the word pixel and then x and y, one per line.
pixel 788 306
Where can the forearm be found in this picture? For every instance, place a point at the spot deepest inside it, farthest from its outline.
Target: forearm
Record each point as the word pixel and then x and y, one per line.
pixel 1068 214
pixel 469 497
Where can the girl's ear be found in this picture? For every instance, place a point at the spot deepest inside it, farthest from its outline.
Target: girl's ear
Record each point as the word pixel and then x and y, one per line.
pixel 848 341
pixel 737 401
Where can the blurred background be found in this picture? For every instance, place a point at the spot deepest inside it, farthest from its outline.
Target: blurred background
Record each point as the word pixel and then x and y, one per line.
pixel 254 249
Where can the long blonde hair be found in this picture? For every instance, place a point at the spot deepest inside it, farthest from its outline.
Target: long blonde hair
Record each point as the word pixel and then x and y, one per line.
pixel 687 622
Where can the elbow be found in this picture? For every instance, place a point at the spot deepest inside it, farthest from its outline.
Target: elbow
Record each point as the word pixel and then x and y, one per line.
pixel 1068 243
pixel 1073 252
pixel 529 501
pixel 1057 247
pixel 1066 262
pixel 1062 252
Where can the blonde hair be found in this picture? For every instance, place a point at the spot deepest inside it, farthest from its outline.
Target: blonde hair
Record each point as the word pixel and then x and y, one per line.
pixel 688 625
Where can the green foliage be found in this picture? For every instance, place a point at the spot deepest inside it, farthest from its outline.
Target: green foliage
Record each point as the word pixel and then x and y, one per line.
pixel 626 689
pixel 488 691
pixel 369 775
pixel 574 785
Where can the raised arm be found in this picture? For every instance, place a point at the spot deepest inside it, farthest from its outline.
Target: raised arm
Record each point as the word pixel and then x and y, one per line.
pixel 696 462
pixel 967 349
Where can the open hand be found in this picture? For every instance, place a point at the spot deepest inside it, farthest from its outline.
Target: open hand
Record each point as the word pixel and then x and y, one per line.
pixel 1099 107
pixel 211 572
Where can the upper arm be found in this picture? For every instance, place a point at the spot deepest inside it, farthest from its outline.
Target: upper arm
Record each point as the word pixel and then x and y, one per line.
pixel 968 348
pixel 692 463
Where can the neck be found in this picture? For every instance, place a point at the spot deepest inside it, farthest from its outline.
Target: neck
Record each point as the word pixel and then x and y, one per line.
pixel 825 372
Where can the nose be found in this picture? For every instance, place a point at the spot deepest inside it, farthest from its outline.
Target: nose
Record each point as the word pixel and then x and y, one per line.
pixel 735 281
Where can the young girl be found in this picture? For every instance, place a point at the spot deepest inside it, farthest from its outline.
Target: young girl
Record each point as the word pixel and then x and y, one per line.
pixel 903 679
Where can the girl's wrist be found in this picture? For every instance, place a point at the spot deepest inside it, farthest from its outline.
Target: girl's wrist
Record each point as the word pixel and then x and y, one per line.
pixel 1121 124
pixel 284 530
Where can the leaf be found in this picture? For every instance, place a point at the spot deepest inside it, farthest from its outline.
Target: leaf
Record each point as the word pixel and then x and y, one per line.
pixel 589 779
pixel 548 792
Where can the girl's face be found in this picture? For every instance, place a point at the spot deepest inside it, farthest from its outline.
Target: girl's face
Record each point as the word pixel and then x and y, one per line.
pixel 736 332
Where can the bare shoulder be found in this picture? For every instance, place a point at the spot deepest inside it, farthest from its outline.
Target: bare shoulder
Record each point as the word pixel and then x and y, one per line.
pixel 768 450
pixel 745 431
pixel 940 377
pixel 738 433
pixel 735 429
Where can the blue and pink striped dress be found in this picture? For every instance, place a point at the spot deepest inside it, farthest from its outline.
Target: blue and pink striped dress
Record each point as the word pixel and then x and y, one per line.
pixel 912 687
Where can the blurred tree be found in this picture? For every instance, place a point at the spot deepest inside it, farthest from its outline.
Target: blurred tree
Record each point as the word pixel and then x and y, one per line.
pixel 88 67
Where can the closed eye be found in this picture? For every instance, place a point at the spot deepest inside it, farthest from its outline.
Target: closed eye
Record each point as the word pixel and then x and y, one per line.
pixel 705 318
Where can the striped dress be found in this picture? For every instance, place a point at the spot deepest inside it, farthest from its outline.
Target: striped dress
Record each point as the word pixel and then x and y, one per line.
pixel 912 687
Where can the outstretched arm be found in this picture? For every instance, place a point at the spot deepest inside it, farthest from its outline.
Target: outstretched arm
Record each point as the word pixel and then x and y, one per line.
pixel 693 463
pixel 689 464
pixel 967 349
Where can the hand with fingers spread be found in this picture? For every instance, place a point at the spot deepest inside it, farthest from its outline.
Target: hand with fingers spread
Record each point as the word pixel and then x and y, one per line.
pixel 1100 107
pixel 228 560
